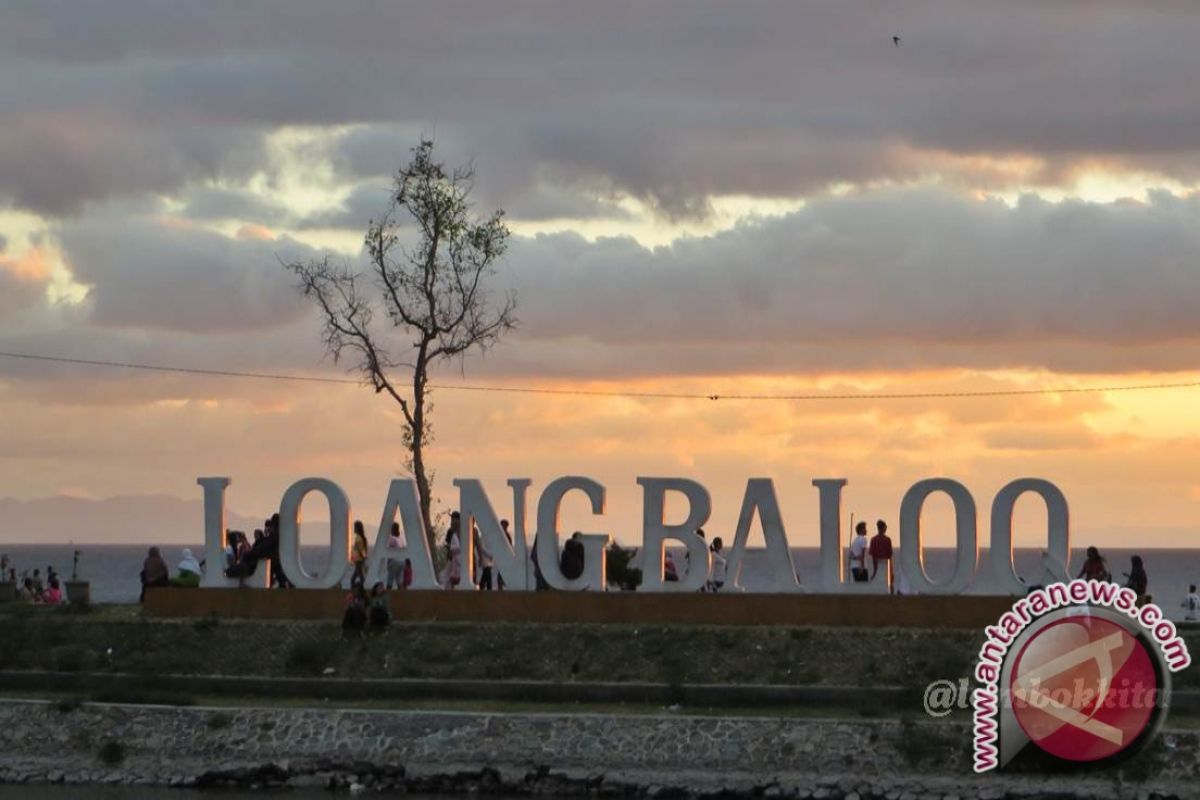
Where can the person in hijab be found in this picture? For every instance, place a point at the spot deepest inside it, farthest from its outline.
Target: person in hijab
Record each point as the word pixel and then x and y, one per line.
pixel 1137 579
pixel 155 572
pixel 189 570
pixel 1095 568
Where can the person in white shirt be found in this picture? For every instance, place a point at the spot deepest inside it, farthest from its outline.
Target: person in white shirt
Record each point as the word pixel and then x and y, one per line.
pixel 1191 604
pixel 395 566
pixel 858 554
pixel 716 575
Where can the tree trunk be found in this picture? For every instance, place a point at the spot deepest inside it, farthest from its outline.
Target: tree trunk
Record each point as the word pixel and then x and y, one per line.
pixel 424 491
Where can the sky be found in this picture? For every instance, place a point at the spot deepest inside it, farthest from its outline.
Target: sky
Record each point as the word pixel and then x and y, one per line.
pixel 763 198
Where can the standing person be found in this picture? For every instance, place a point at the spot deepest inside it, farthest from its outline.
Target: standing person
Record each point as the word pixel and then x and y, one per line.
pixel 155 572
pixel 407 574
pixel 1137 579
pixel 453 574
pixel 5 566
pixel 268 550
pixel 716 575
pixel 858 554
pixel 670 573
pixel 358 554
pixel 485 560
pixel 395 567
pixel 507 535
pixel 880 549
pixel 1095 568
pixel 572 557
pixel 1191 605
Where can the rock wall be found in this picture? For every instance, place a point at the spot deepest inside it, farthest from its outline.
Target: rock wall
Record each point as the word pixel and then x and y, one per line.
pixel 613 755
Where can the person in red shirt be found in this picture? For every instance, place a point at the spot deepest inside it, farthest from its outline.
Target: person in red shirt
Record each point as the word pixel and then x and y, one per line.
pixel 881 550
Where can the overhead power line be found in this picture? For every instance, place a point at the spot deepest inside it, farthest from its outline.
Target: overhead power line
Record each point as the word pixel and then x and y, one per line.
pixel 223 373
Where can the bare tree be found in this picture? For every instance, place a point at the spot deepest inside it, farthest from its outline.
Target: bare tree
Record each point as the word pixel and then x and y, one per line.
pixel 432 290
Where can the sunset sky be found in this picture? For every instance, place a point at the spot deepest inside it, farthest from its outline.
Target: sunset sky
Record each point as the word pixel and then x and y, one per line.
pixel 712 198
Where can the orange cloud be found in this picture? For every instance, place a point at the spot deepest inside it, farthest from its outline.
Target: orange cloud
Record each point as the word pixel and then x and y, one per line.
pixel 34 265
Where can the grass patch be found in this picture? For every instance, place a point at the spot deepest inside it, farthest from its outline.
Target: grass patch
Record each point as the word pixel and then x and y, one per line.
pixel 117 639
pixel 143 697
pixel 307 657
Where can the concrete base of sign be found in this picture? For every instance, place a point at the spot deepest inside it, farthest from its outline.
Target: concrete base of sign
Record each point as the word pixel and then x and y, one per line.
pixel 922 611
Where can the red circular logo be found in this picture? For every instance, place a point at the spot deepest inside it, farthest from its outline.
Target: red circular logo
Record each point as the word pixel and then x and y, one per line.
pixel 1083 688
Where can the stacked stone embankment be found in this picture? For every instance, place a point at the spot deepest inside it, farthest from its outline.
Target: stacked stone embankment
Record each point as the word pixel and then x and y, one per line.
pixel 613 755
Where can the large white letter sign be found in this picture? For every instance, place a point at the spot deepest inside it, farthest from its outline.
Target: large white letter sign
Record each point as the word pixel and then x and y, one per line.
pixel 339 533
pixel 760 497
pixel 595 572
pixel 1058 533
pixel 912 555
pixel 214 534
pixel 829 494
pixel 509 559
pixel 655 532
pixel 402 498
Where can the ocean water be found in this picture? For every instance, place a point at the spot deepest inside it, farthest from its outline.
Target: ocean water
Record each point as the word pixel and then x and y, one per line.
pixel 113 569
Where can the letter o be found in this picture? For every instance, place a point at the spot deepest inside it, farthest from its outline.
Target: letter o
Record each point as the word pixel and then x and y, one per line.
pixel 339 533
pixel 912 556
pixel 1058 532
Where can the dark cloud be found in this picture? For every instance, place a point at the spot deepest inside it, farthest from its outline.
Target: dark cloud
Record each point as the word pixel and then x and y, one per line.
pixel 670 102
pixel 149 274
pixel 215 203
pixel 887 279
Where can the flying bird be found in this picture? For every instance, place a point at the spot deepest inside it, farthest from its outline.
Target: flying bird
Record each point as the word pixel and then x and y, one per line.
pixel 896 41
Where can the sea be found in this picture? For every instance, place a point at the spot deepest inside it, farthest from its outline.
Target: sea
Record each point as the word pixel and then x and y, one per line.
pixel 113 569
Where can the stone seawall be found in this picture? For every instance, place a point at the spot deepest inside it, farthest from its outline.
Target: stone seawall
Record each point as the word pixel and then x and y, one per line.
pixel 611 755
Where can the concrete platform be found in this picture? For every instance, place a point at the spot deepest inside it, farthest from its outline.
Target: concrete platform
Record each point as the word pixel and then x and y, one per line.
pixel 927 611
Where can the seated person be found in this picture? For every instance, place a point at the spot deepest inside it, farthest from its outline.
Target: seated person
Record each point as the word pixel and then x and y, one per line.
pixel 380 612
pixel 189 571
pixel 155 572
pixel 53 595
pixel 354 614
